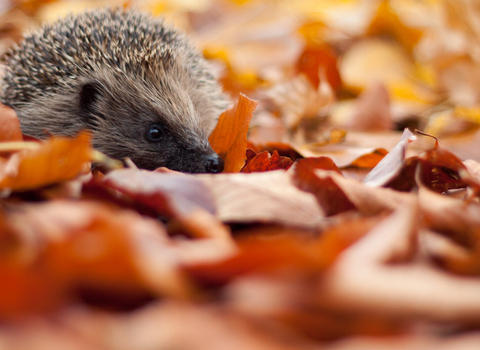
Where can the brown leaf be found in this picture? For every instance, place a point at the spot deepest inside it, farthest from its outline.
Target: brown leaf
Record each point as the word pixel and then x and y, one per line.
pixel 283 149
pixel 439 170
pixel 229 138
pixel 264 162
pixel 316 58
pixel 312 163
pixel 262 197
pixel 335 194
pixel 329 195
pixel 184 199
pixel 171 194
pixel 9 125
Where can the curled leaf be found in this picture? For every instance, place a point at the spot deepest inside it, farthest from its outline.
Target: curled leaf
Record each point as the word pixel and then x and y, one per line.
pixel 229 138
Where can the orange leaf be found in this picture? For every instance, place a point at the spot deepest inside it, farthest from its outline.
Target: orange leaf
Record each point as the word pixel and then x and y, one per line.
pixel 315 58
pixel 9 125
pixel 27 289
pixel 57 160
pixel 262 254
pixel 229 139
pixel 370 160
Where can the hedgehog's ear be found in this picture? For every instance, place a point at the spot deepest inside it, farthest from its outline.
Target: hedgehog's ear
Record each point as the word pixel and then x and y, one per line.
pixel 89 94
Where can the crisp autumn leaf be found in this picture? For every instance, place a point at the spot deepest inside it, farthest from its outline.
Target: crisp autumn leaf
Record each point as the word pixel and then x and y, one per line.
pixel 283 149
pixel 59 159
pixel 439 170
pixel 329 195
pixel 229 138
pixel 250 154
pixel 335 194
pixel 171 194
pixel 268 197
pixel 265 162
pixel 185 200
pixel 182 198
pixel 9 125
pixel 391 164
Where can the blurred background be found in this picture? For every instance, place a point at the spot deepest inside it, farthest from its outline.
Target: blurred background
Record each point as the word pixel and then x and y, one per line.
pixel 322 65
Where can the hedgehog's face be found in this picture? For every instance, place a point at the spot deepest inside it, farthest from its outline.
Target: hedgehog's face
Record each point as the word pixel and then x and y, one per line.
pixel 153 126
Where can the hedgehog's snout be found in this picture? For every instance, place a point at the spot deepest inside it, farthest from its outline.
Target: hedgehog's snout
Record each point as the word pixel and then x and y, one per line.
pixel 214 164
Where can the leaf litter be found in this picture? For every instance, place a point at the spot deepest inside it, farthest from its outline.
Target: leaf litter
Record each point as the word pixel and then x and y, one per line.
pixel 327 230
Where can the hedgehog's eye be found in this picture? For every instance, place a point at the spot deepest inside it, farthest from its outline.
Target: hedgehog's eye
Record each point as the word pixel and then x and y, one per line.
pixel 154 133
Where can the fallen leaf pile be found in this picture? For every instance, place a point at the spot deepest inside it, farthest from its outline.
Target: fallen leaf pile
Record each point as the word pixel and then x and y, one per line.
pixel 347 217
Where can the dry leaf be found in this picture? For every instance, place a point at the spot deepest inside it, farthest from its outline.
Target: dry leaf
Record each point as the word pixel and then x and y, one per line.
pixel 262 254
pixel 229 138
pixel 266 162
pixel 10 125
pixel 391 164
pixel 172 194
pixel 313 60
pixel 262 197
pixel 59 159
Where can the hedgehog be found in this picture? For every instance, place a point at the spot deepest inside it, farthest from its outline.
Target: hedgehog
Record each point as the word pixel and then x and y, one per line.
pixel 137 84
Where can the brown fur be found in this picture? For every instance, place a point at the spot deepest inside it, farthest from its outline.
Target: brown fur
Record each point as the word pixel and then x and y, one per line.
pixel 116 73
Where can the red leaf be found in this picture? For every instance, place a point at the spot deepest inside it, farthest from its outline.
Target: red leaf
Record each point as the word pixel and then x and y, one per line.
pixel 264 162
pixel 329 195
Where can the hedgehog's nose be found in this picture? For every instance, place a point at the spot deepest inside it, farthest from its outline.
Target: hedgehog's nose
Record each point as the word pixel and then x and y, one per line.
pixel 214 164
